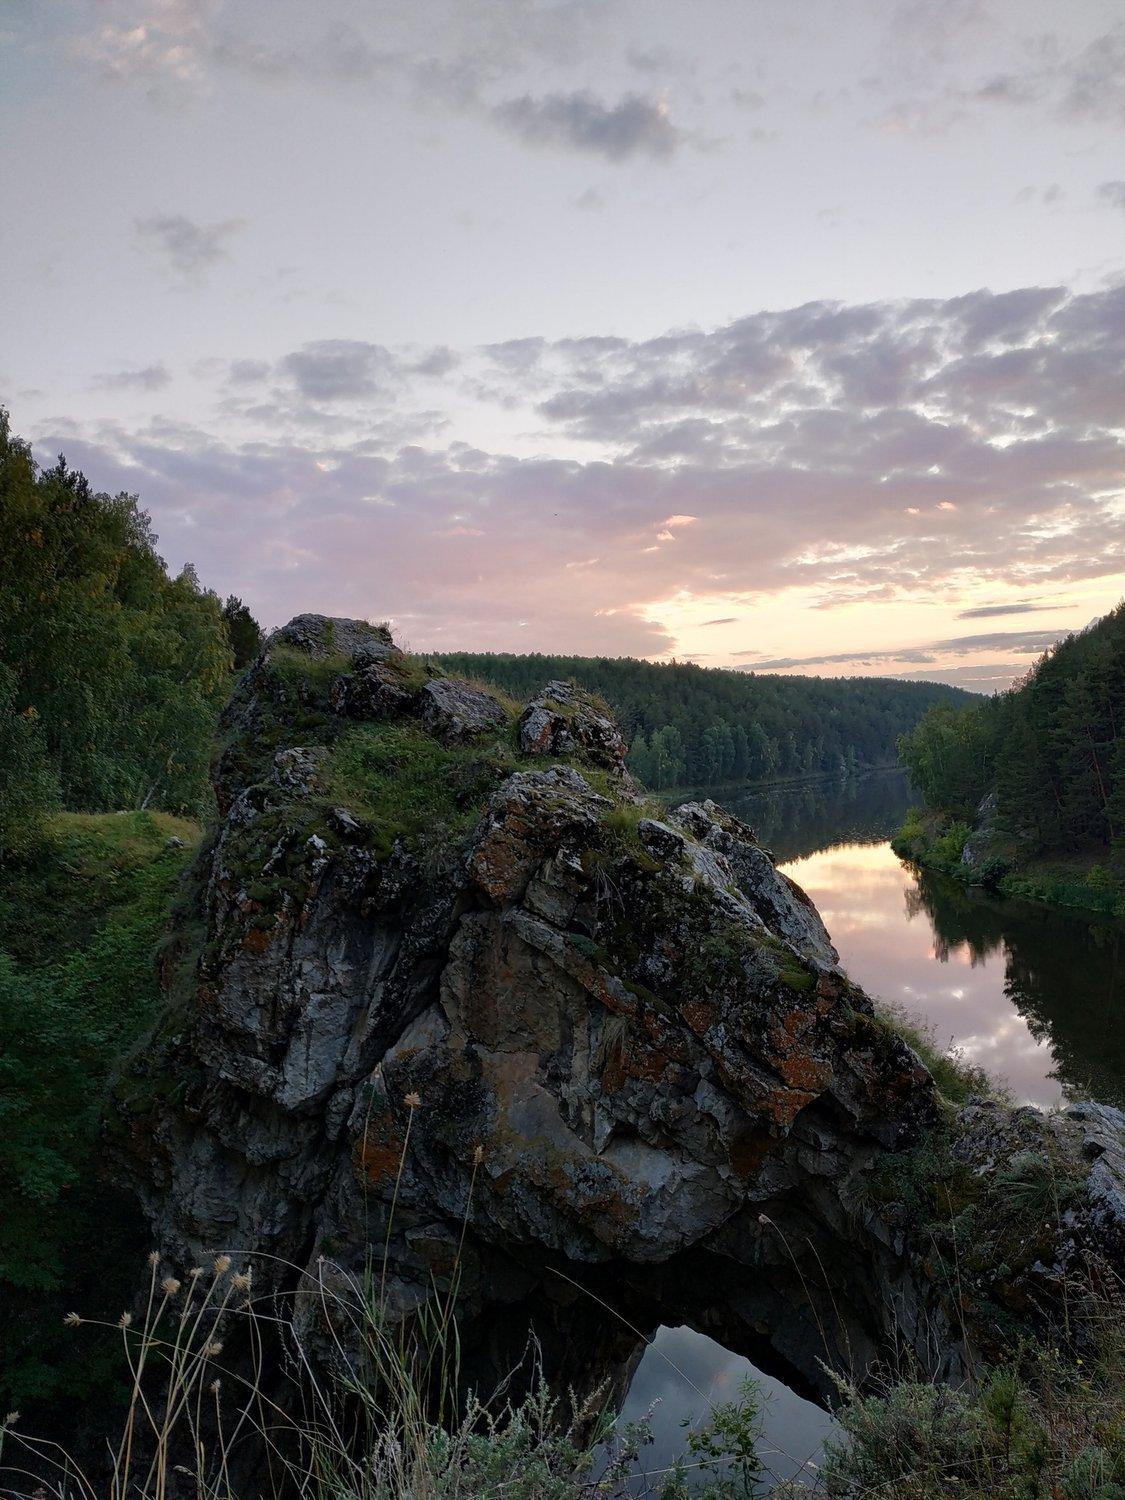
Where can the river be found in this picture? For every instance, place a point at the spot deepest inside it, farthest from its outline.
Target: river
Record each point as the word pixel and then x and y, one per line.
pixel 1034 995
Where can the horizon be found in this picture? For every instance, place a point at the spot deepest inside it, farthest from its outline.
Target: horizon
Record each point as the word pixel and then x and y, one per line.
pixel 591 327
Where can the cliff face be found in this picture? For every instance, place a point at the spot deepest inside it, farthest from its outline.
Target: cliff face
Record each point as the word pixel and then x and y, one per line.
pixel 620 1041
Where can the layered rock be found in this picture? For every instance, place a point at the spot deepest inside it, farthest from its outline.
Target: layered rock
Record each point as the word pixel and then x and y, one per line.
pixel 455 963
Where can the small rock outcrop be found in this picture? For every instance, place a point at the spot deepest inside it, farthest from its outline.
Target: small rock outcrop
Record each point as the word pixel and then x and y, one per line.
pixel 564 721
pixel 620 1040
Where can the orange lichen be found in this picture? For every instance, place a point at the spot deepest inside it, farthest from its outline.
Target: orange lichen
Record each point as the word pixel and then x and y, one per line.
pixel 257 939
pixel 377 1151
pixel 700 1015
pixel 803 1071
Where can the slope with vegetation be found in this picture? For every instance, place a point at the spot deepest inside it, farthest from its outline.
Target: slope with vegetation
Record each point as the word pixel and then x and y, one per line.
pixel 703 726
pixel 112 674
pixel 81 920
pixel 1026 791
pixel 111 671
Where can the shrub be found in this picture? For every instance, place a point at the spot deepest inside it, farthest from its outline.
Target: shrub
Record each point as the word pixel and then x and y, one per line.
pixel 1047 1426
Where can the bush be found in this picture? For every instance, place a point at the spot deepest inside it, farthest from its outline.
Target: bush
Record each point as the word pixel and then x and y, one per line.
pixel 1047 1426
pixel 28 789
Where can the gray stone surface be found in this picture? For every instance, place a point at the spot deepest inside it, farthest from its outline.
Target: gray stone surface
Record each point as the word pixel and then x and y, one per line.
pixel 456 711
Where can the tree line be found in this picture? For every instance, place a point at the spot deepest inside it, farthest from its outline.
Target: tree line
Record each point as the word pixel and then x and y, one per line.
pixel 111 670
pixel 702 726
pixel 1052 749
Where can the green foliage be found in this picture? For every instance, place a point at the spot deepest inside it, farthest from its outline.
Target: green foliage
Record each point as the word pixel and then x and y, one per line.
pixel 956 1078
pixel 725 1446
pixel 27 784
pixel 244 634
pixel 950 755
pixel 1051 749
pixel 699 726
pixel 120 668
pixel 407 785
pixel 1049 1425
pixel 933 840
pixel 80 921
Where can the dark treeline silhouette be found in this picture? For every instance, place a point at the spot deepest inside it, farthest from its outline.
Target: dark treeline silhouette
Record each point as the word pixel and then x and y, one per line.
pixel 1052 750
pixel 702 726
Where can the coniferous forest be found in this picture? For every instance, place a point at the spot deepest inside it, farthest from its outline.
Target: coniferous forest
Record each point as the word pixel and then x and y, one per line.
pixel 702 726
pixel 1049 755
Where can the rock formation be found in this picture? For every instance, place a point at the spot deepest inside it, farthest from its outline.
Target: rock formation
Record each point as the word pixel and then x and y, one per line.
pixel 619 1040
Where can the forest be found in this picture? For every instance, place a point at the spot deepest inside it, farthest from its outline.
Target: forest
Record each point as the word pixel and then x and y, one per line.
pixel 1051 750
pixel 1040 770
pixel 691 726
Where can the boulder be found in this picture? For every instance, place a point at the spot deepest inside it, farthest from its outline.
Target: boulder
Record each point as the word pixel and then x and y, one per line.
pixel 456 711
pixel 564 720
pixel 779 901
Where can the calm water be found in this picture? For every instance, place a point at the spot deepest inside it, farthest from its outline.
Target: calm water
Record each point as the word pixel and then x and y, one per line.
pixel 1035 996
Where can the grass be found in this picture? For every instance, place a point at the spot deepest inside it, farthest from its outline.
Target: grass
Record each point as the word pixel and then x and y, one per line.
pixel 1049 1424
pixel 383 1416
pixel 957 1078
pixel 86 868
pixel 404 784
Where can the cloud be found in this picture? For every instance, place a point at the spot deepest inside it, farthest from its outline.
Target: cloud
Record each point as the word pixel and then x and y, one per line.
pixel 459 62
pixel 1085 85
pixel 633 126
pixel 590 201
pixel 925 451
pixel 247 371
pixel 339 369
pixel 151 378
pixel 1113 193
pixel 1021 642
pixel 1015 607
pixel 724 620
pixel 185 247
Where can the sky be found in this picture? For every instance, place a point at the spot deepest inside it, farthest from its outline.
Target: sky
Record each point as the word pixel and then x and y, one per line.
pixel 781 335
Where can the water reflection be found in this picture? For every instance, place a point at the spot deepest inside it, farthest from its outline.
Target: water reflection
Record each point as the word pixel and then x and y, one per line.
pixel 684 1374
pixel 794 821
pixel 1032 993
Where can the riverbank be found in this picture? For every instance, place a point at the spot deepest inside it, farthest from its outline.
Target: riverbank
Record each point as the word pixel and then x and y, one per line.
pixel 943 843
